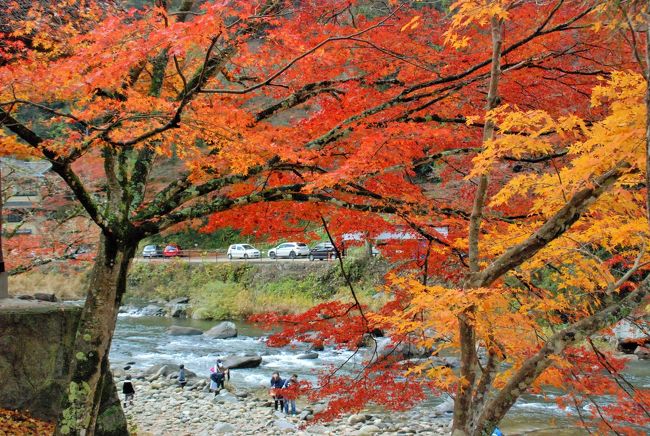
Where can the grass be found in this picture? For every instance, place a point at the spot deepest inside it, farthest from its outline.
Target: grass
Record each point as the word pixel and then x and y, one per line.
pixel 237 290
pixel 65 283
pixel 224 290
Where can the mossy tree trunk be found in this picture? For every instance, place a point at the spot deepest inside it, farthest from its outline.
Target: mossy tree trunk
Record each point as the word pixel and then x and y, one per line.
pixel 94 335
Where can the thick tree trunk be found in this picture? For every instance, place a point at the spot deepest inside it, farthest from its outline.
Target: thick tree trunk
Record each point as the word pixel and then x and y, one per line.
pixel 4 277
pixel 94 335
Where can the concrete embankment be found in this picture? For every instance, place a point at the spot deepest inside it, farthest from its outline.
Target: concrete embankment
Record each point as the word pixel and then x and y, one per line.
pixel 36 345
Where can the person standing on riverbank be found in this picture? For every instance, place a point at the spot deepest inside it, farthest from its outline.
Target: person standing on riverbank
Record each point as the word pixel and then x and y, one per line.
pixel 218 375
pixel 276 391
pixel 181 376
pixel 128 390
pixel 290 393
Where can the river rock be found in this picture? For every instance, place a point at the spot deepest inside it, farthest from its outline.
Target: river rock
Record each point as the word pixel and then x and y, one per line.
pixel 446 361
pixel 367 430
pixel 317 347
pixel 225 397
pixel 285 425
pixel 250 361
pixel 45 297
pixel 222 330
pixel 152 310
pixel 25 297
pixel 317 429
pixel 223 427
pixel 305 415
pixel 165 370
pixel 179 300
pixel 643 353
pixel 382 348
pixel 356 419
pixel 446 406
pixel 628 335
pixel 179 311
pixel 177 330
pixel 310 355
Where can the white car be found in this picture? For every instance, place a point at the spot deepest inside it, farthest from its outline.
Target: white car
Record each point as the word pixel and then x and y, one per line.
pixel 290 250
pixel 243 251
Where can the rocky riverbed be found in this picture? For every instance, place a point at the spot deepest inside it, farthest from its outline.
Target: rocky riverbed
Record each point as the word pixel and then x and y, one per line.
pixel 162 408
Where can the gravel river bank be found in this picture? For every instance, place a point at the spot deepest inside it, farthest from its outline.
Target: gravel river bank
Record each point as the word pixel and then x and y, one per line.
pixel 160 408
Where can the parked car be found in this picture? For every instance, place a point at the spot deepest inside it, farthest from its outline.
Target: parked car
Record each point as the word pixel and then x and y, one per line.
pixel 322 251
pixel 152 251
pixel 242 251
pixel 172 250
pixel 290 250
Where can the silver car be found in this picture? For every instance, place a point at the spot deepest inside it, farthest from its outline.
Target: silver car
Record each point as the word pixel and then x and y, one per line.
pixel 290 250
pixel 152 251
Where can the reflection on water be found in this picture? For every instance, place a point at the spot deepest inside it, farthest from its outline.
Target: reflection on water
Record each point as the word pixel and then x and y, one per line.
pixel 143 340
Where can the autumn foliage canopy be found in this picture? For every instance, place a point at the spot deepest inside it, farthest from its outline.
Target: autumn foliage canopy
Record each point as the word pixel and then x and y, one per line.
pixel 517 126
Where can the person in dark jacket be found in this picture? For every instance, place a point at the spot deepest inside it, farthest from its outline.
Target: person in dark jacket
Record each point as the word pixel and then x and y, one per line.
pixel 182 381
pixel 218 375
pixel 128 391
pixel 276 391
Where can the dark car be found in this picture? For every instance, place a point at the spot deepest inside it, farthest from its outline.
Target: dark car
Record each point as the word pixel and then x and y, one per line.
pixel 322 251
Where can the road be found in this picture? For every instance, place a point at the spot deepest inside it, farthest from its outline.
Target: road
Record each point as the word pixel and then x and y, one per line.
pixel 216 259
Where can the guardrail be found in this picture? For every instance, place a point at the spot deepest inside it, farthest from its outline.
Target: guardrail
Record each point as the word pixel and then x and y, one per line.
pixel 218 255
pixel 195 254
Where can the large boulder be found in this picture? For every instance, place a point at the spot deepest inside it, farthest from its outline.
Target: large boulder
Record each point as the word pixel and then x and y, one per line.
pixel 177 330
pixel 310 355
pixel 317 346
pixel 179 310
pixel 152 310
pixel 629 336
pixel 446 407
pixel 223 330
pixel 383 348
pixel 45 297
pixel 643 353
pixel 164 370
pixel 250 361
pixel 179 300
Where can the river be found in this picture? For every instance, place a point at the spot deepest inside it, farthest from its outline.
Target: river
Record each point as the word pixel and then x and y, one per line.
pixel 143 340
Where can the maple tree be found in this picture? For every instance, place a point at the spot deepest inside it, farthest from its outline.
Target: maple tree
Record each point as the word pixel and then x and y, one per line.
pixel 264 114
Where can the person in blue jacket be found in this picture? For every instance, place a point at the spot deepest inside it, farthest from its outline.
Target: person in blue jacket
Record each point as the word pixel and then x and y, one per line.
pixel 276 385
pixel 290 387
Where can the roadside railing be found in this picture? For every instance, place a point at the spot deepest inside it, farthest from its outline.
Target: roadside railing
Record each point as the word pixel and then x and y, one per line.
pixel 194 255
pixel 214 255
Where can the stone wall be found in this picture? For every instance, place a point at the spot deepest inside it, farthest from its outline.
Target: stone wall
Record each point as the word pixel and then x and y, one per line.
pixel 36 343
